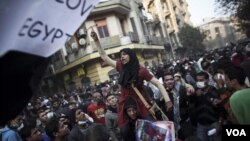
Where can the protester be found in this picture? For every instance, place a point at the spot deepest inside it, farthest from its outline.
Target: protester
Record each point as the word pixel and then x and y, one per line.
pixel 97 108
pixel 81 123
pixel 207 108
pixel 131 114
pixel 239 101
pixel 30 132
pixel 10 131
pixel 131 73
pixel 56 130
pixel 180 113
pixel 111 117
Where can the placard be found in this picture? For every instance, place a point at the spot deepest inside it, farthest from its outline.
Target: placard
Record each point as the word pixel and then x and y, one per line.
pixel 40 27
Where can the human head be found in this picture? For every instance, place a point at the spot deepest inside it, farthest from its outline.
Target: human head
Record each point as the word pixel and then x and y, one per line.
pixel 130 108
pixel 111 100
pixel 235 77
pixel 30 132
pixel 168 80
pixel 64 117
pixel 97 97
pixel 55 103
pixel 223 64
pixel 16 122
pixel 239 103
pixel 130 66
pixel 77 115
pixel 177 76
pixel 128 56
pixel 237 58
pixel 42 115
pixel 205 65
pixel 72 104
pixel 56 129
pixel 202 79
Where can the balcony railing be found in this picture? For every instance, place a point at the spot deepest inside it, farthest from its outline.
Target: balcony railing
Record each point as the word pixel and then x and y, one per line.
pixel 118 6
pixel 108 42
pixel 156 40
pixel 170 30
pixel 76 55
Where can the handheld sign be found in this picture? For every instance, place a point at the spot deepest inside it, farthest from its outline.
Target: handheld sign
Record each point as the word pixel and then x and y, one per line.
pixel 31 31
pixel 158 130
pixel 40 27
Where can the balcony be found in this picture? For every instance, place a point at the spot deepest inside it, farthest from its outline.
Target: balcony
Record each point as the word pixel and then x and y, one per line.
pixel 115 6
pixel 108 42
pixel 77 55
pixel 156 40
pixel 166 13
pixel 170 30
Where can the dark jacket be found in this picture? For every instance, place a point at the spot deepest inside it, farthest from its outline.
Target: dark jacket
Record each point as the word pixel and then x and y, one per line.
pixel 205 112
pixel 76 134
pixel 183 104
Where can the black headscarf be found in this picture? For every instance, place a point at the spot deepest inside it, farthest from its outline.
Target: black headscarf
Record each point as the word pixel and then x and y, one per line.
pixel 130 71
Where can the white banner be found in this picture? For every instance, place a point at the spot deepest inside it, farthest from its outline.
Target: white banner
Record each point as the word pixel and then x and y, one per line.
pixel 40 27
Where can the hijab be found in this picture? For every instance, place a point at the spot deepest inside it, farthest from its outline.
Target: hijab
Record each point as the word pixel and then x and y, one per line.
pixel 130 71
pixel 240 103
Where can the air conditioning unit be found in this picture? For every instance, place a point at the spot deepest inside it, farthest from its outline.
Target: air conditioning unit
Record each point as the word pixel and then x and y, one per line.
pixel 81 33
pixel 82 41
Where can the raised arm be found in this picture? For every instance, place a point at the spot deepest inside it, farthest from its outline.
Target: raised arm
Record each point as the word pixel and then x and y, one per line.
pixel 163 91
pixel 101 51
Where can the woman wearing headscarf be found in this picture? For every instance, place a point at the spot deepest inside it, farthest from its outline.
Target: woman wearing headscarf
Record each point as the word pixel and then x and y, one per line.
pixel 131 72
pixel 240 103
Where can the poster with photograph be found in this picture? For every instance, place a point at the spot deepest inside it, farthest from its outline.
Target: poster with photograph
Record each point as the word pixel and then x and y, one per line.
pixel 155 131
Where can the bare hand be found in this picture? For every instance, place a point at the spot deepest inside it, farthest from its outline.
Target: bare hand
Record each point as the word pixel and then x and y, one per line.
pixel 199 92
pixel 169 105
pixel 216 102
pixel 190 90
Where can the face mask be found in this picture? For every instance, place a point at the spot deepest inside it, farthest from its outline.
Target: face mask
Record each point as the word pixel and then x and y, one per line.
pixel 200 84
pixel 81 122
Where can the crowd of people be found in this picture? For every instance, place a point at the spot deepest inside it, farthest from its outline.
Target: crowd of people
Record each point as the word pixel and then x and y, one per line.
pixel 199 94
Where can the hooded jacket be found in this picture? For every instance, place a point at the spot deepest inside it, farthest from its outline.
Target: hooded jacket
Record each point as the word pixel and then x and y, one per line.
pixel 9 134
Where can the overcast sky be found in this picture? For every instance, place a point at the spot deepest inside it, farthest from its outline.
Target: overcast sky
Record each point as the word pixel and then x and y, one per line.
pixel 200 9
